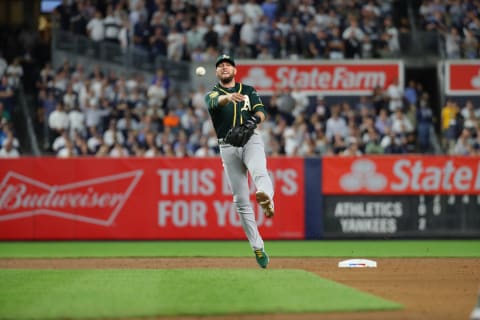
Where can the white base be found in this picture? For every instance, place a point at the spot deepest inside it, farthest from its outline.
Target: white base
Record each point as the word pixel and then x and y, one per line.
pixel 357 263
pixel 475 314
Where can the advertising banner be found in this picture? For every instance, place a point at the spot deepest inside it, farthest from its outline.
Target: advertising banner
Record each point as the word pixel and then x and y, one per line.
pixel 406 175
pixel 343 77
pixel 462 77
pixel 136 198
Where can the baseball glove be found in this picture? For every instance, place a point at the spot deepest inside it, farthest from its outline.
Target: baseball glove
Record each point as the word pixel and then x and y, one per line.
pixel 238 136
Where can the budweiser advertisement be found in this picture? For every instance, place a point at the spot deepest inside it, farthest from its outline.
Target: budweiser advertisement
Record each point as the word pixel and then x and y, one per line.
pixel 401 175
pixel 344 77
pixel 462 77
pixel 134 198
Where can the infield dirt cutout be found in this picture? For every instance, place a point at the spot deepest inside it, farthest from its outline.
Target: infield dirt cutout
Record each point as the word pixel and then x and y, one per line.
pixel 428 288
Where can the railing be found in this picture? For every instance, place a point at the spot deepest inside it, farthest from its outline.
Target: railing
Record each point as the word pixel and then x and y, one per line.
pixel 26 111
pixel 133 59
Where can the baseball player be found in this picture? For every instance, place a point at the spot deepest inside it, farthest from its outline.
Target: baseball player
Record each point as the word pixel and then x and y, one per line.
pixel 236 110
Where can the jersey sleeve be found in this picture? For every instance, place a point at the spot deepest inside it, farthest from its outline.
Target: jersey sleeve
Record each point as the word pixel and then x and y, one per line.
pixel 211 99
pixel 256 102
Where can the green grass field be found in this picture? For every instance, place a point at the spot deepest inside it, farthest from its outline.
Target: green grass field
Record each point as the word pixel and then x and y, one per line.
pixel 372 248
pixel 117 293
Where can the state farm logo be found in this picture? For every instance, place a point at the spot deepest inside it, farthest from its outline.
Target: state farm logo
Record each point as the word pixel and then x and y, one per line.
pixel 96 201
pixel 457 175
pixel 330 78
pixel 363 175
pixel 258 78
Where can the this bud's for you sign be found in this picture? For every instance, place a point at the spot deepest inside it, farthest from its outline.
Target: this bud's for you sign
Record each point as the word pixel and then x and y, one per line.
pixel 138 199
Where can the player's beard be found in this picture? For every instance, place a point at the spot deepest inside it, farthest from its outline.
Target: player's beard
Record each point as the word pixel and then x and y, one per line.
pixel 227 79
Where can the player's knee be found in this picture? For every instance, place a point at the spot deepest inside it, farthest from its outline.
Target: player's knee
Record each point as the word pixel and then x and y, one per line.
pixel 241 202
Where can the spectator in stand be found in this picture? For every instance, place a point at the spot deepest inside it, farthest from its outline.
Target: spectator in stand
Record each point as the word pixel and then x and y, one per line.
pixel 253 11
pixel 124 35
pixel 470 112
pixel 14 73
pixel 395 96
pixel 390 37
pixel 7 149
pixel 175 44
pixel 76 122
pixel 315 42
pixel 410 93
pixel 112 135
pixel 94 141
pixel 464 144
pixel 96 27
pixel 60 141
pixel 453 43
pixel 112 24
pixel 353 37
pixel 301 101
pixel 336 125
pixel 141 33
pixel 352 149
pixel 400 123
pixel 157 93
pixel 7 94
pixel 58 120
pixel 236 16
pixel 70 98
pixel 449 124
pixel 68 150
pixel 5 115
pixel 394 143
pixel 470 44
pixel 3 64
pixel 336 45
pixel 322 110
pixel 248 37
pixel 80 18
pixel 373 146
pixel 424 125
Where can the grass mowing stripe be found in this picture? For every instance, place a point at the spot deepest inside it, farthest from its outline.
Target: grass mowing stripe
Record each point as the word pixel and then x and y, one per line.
pixel 55 294
pixel 324 248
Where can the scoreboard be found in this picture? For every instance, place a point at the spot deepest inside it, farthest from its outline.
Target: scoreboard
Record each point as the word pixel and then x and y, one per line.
pixel 401 196
pixel 401 216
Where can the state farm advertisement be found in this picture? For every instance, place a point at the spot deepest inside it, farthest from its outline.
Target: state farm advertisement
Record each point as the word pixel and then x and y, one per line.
pixel 463 77
pixel 401 175
pixel 318 76
pixel 134 198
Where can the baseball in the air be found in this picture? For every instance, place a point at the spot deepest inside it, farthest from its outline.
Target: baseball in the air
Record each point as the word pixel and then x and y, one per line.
pixel 200 71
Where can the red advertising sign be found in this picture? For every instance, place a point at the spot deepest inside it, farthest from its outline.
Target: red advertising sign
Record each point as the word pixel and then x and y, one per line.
pixel 133 198
pixel 318 76
pixel 401 175
pixel 462 77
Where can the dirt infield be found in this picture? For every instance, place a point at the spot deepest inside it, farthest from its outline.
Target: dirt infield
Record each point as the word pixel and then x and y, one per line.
pixel 428 288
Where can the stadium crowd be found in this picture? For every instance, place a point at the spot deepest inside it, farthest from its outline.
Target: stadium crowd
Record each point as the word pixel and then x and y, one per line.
pixel 101 114
pixel 458 22
pixel 112 115
pixel 198 30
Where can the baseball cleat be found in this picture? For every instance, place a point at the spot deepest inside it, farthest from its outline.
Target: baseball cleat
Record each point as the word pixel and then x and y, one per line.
pixel 266 203
pixel 262 258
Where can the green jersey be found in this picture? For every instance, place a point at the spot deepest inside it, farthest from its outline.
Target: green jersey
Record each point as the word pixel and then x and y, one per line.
pixel 233 113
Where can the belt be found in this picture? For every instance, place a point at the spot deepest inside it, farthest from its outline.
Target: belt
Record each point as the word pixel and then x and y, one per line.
pixel 221 142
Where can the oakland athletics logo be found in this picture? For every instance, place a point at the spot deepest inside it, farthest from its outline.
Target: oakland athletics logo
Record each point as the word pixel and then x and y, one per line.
pixel 246 104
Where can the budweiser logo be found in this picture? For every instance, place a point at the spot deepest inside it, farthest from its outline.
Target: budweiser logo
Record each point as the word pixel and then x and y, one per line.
pixel 97 201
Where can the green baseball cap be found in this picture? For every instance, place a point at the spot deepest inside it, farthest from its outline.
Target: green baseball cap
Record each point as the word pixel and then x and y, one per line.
pixel 224 57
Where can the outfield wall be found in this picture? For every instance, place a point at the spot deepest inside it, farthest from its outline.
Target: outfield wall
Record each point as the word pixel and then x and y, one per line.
pixel 167 198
